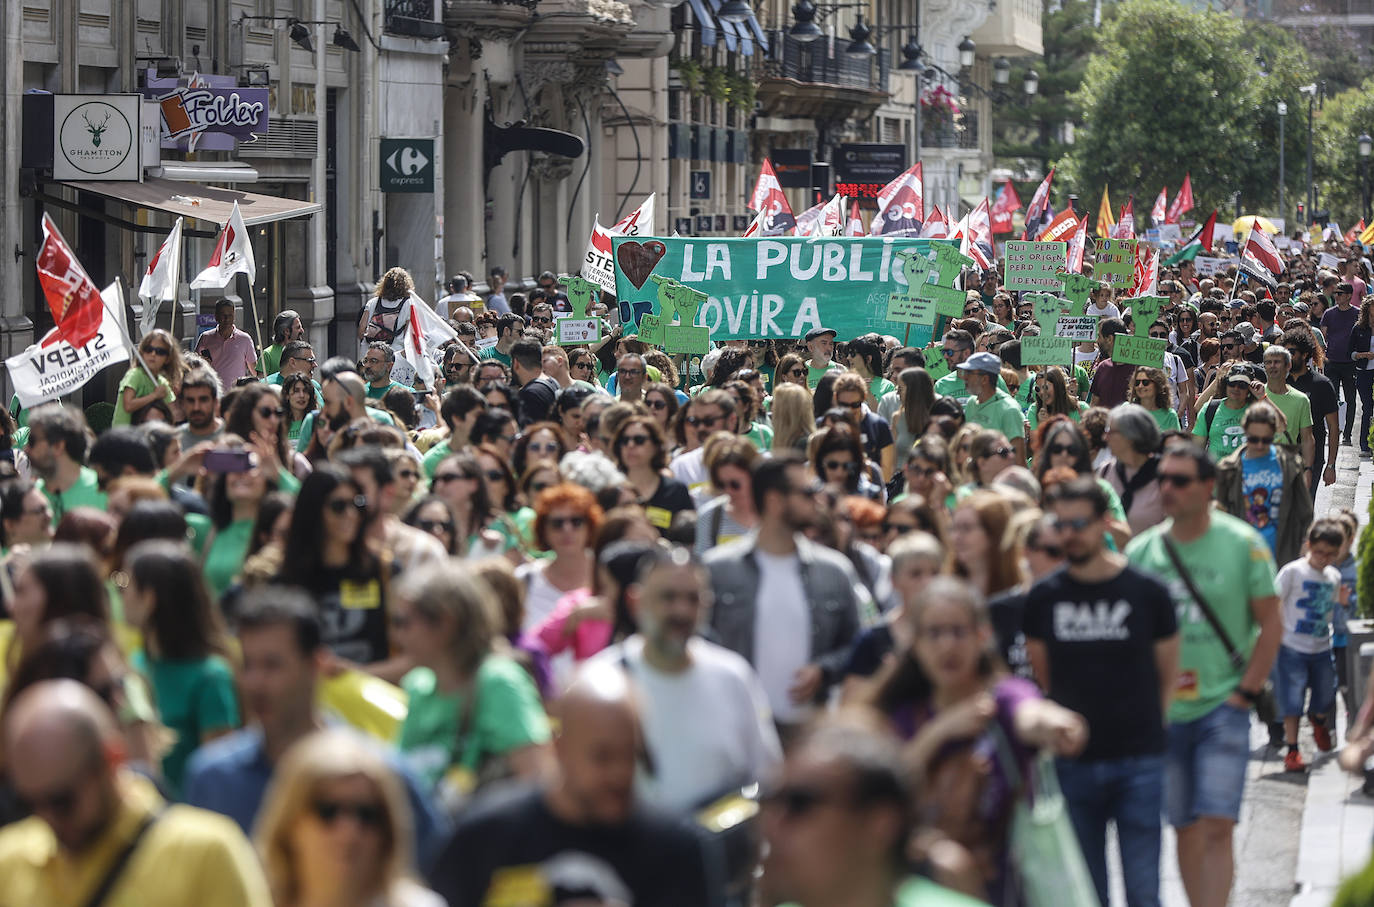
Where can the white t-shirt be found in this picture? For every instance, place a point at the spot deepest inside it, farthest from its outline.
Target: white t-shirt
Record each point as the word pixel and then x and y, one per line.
pixel 708 728
pixel 1107 311
pixel 1308 601
pixel 689 469
pixel 782 633
pixel 541 597
pixel 1176 373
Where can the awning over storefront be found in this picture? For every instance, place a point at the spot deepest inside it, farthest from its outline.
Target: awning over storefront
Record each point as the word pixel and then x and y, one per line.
pixel 208 203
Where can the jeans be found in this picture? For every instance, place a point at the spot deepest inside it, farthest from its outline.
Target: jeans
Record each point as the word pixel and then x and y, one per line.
pixel 1299 672
pixel 1342 374
pixel 1364 383
pixel 1129 791
pixel 1205 773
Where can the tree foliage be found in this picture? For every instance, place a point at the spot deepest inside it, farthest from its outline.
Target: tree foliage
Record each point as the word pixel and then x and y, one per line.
pixel 1336 163
pixel 1172 90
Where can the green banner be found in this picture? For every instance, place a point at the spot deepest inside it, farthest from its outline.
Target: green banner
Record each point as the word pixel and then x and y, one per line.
pixel 1035 266
pixel 1116 263
pixel 778 287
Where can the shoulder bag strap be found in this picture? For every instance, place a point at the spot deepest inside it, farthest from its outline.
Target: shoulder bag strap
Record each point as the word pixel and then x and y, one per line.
pixel 1238 660
pixel 646 755
pixel 102 891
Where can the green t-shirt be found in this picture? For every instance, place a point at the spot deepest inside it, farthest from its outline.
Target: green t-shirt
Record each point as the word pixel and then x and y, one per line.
pixel 85 492
pixel 1231 566
pixel 760 435
pixel 195 697
pixel 1023 394
pixel 1034 415
pixel 814 375
pixel 1166 418
pixel 376 393
pixel 225 558
pixel 142 385
pixel 921 892
pixel 492 352
pixel 1000 412
pixel 879 386
pixel 308 426
pixel 1297 409
pixel 270 360
pixel 1225 434
pixel 433 457
pixel 507 715
pixel 952 385
pixel 276 379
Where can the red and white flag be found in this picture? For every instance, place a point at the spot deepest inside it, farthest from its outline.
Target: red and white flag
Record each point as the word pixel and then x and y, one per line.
pixel 755 228
pixel 1146 270
pixel 808 220
pixel 855 227
pixel 823 220
pixel 1260 258
pixel 639 222
pixel 769 200
pixel 901 206
pixel 1039 207
pixel 597 264
pixel 1183 202
pixel 233 255
pixel 1004 206
pixel 980 236
pixel 936 227
pixel 425 333
pixel 160 282
pixel 1157 213
pixel 1125 224
pixel 72 298
pixel 1076 244
pixel 1061 228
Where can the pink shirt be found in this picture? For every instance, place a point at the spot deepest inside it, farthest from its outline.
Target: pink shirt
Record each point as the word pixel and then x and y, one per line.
pixel 590 636
pixel 232 358
pixel 1357 290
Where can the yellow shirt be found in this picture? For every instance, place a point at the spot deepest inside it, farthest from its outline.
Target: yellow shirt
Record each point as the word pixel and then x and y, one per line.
pixel 191 856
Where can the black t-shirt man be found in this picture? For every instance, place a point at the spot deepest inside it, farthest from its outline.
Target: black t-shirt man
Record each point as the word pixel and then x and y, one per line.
pixel 536 399
pixel 511 849
pixel 1008 615
pixel 1321 393
pixel 1100 639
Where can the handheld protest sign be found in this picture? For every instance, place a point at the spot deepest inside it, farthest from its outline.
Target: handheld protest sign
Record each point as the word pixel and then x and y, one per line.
pixel 577 328
pixel 1138 348
pixel 936 364
pixel 1035 266
pixel 675 300
pixel 1116 263
pixel 1077 289
pixel 1047 349
pixel 912 307
pixel 944 265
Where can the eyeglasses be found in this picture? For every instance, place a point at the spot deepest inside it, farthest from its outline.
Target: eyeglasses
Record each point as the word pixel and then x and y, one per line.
pixel 267 412
pixel 340 506
pixel 1176 480
pixel 832 465
pixel 1259 439
pixel 997 452
pixel 629 372
pixel 559 523
pixel 706 421
pixel 656 403
pixel 633 440
pixel 310 359
pixel 158 351
pixel 509 439
pixel 1077 524
pixel 443 478
pixel 368 815
pixel 431 525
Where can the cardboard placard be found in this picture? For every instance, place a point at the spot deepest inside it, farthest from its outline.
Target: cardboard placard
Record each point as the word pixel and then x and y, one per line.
pixel 675 301
pixel 576 328
pixel 1132 350
pixel 1144 312
pixel 1077 289
pixel 1116 263
pixel 1034 266
pixel 1047 349
pixel 911 307
pixel 1078 328
pixel 1208 266
pixel 1328 260
pixel 936 363
pixel 943 266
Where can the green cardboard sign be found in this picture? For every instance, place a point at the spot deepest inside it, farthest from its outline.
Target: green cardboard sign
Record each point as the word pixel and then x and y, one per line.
pixel 909 307
pixel 1046 349
pixel 936 363
pixel 1035 266
pixel 1116 263
pixel 676 301
pixel 776 287
pixel 577 329
pixel 1132 350
pixel 1144 312
pixel 1077 289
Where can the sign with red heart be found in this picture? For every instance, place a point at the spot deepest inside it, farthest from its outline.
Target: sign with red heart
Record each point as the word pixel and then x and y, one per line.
pixel 637 260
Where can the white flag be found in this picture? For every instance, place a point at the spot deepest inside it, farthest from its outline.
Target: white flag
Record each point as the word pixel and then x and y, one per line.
pixel 639 222
pixel 597 264
pixel 233 255
pixel 425 332
pixel 53 366
pixel 160 282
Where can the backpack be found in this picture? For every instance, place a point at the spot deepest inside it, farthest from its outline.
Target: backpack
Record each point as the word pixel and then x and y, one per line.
pixel 1210 413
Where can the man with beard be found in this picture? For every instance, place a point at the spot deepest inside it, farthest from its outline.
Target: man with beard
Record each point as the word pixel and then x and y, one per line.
pixel 345 399
pixel 785 603
pixel 1321 396
pixel 707 725
pixel 377 365
pixel 1100 610
pixel 200 391
pixel 57 451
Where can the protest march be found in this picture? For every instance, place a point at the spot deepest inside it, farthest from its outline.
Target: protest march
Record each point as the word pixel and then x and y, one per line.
pixel 877 555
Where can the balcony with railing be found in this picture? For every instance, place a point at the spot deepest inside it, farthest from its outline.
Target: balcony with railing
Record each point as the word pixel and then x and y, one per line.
pixel 959 131
pixel 412 18
pixel 818 79
pixel 1012 29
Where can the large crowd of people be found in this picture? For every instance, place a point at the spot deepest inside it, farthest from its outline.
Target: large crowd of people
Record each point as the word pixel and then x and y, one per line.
pixel 796 621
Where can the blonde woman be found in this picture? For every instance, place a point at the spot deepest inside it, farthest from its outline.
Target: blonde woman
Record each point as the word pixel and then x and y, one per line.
pixel 335 829
pixel 162 355
pixel 793 420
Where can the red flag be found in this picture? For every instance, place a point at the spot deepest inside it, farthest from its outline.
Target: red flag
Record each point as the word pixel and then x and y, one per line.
pixel 1354 232
pixel 1125 224
pixel 1260 259
pixel 1157 213
pixel 855 227
pixel 901 205
pixel 1076 244
pixel 979 238
pixel 769 200
pixel 1003 207
pixel 1063 226
pixel 1183 202
pixel 937 227
pixel 1040 202
pixel 73 299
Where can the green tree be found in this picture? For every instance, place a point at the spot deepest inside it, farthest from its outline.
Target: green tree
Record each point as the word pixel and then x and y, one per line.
pixel 1336 164
pixel 1174 90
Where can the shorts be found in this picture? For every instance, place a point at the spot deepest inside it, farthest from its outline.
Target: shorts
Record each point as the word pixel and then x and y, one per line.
pixel 1204 770
pixel 1297 672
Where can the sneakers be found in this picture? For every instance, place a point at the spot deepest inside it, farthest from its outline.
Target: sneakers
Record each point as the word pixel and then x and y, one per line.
pixel 1276 734
pixel 1322 736
pixel 1292 761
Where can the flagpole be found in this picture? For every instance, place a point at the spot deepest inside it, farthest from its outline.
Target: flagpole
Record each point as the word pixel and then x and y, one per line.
pixel 124 329
pixel 253 303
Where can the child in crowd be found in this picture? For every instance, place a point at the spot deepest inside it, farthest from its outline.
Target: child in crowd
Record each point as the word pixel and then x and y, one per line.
pixel 1309 591
pixel 1340 634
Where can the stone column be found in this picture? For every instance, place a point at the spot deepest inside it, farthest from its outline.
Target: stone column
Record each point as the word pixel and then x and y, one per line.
pixel 16 330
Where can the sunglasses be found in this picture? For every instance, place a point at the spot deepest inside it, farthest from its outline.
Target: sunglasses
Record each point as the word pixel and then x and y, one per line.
pixel 559 523
pixel 431 525
pixel 707 421
pixel 634 440
pixel 1176 480
pixel 310 359
pixel 158 351
pixel 656 403
pixel 949 353
pixel 997 452
pixel 928 471
pixel 268 412
pixel 852 405
pixel 444 478
pixel 1062 449
pixel 1259 439
pixel 368 815
pixel 797 373
pixel 1077 524
pixel 1229 346
pixel 832 465
pixel 1159 336
pixel 539 319
pixel 973 310
pixel 1143 382
pixel 340 506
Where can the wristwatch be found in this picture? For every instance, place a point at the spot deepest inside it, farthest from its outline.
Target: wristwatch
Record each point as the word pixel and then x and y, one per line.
pixel 1250 696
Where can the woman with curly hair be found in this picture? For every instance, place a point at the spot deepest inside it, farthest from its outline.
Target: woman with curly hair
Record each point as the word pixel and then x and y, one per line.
pixel 387 314
pixel 1052 397
pixel 1150 389
pixel 162 357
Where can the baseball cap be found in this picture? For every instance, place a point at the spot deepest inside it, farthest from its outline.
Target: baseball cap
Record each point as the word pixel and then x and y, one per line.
pixel 1301 308
pixel 1246 330
pixel 1238 376
pixel 981 362
pixel 815 333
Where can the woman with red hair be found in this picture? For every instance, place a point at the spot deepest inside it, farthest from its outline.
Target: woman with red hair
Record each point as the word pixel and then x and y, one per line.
pixel 566 520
